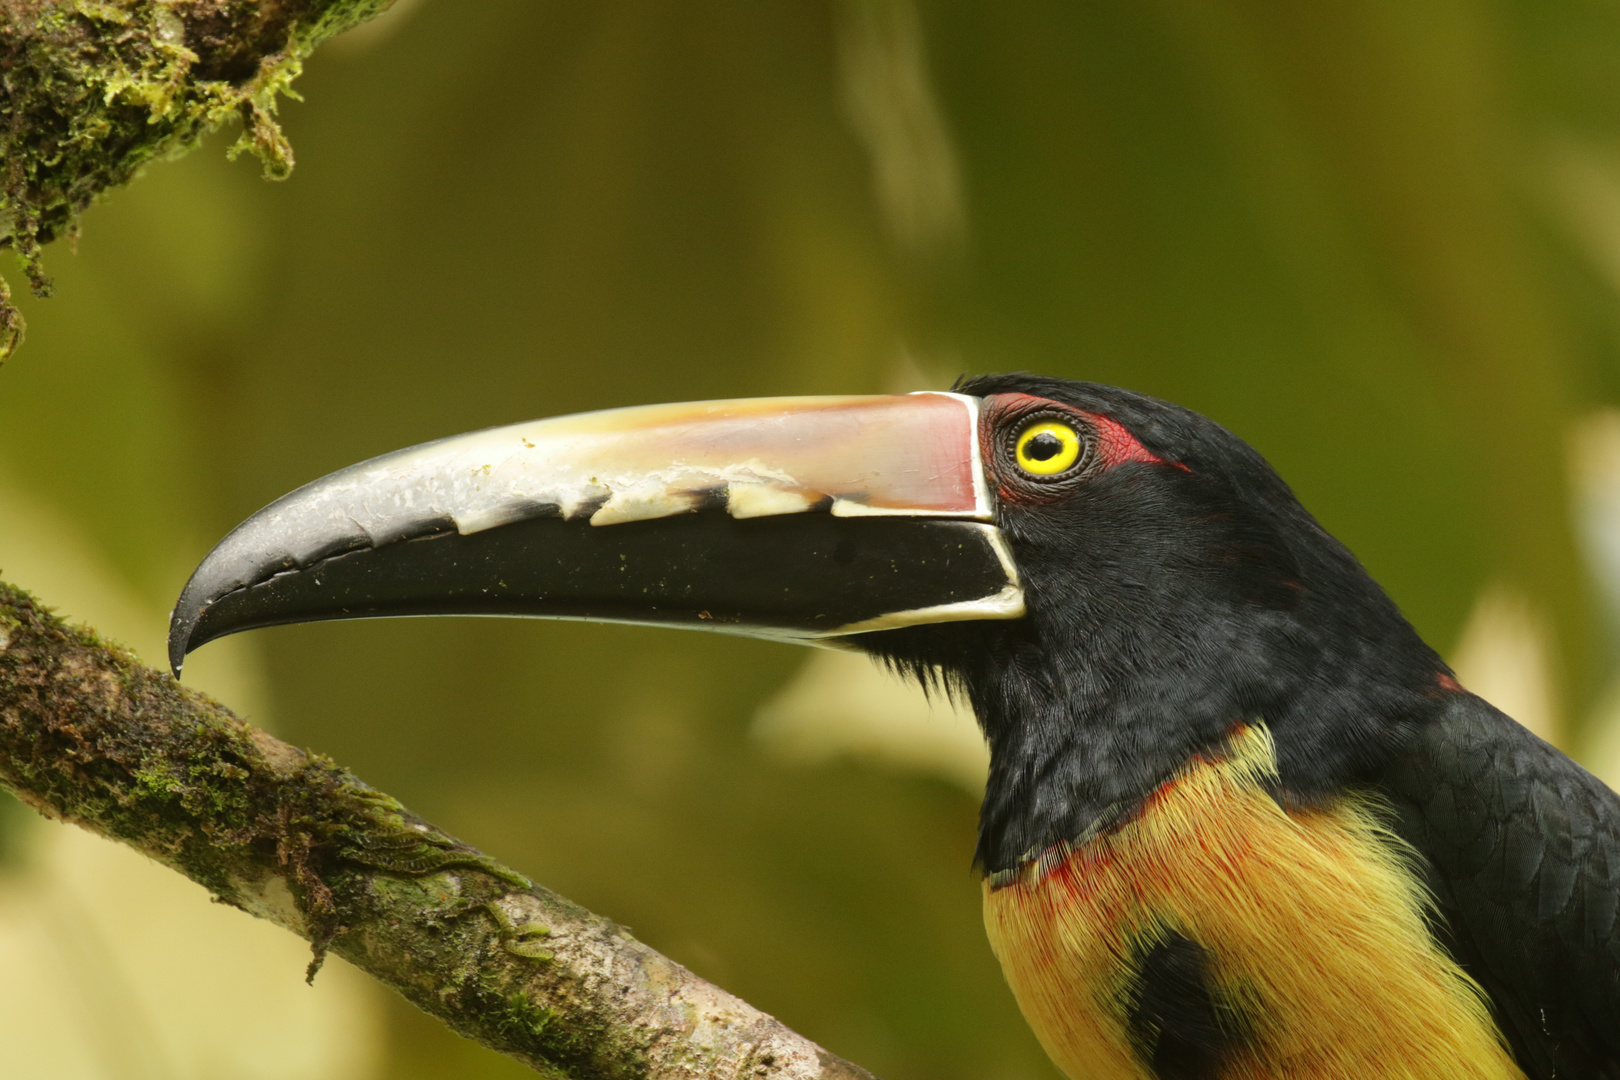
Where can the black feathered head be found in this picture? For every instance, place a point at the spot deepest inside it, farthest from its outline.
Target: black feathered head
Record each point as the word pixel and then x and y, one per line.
pixel 1175 588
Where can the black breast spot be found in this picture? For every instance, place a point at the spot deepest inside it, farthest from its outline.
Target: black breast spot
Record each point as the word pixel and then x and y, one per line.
pixel 1180 1024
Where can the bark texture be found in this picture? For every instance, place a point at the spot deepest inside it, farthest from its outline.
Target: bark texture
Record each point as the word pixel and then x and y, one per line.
pixel 91 90
pixel 89 735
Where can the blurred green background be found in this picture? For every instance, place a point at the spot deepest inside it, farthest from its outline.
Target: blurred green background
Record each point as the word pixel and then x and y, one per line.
pixel 1380 240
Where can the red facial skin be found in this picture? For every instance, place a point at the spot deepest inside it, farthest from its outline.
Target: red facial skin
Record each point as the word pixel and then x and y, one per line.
pixel 1115 443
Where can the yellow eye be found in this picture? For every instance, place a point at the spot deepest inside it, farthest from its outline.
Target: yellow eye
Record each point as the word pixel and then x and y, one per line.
pixel 1047 448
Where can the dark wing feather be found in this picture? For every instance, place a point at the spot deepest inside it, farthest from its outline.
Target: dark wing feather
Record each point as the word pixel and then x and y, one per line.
pixel 1523 851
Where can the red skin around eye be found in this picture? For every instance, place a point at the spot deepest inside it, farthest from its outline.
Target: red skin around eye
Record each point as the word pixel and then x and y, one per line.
pixel 1115 444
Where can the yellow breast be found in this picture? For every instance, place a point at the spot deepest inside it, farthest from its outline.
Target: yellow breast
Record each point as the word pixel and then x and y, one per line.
pixel 1312 923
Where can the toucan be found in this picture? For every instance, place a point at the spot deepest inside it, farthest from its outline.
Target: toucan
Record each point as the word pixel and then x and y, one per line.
pixel 1241 821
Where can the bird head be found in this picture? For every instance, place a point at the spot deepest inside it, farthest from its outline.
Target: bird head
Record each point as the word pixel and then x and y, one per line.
pixel 1112 581
pixel 1175 588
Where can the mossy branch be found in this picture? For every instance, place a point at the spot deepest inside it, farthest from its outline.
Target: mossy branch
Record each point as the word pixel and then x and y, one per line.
pixel 91 90
pixel 89 735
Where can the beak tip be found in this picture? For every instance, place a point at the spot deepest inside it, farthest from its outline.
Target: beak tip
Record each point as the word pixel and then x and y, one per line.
pixel 183 629
pixel 177 646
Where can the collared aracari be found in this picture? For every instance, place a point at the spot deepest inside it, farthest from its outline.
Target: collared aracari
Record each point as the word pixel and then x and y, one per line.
pixel 1241 822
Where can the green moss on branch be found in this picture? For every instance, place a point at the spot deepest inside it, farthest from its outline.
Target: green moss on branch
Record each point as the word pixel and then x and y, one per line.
pixel 89 735
pixel 94 89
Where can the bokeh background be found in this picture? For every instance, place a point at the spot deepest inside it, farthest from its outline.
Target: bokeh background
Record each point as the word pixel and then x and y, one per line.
pixel 1378 239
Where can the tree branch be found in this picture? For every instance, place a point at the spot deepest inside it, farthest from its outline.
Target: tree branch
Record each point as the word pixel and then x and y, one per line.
pixel 89 735
pixel 91 90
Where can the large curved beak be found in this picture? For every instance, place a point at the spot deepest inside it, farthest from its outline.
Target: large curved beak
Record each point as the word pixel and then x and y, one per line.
pixel 793 518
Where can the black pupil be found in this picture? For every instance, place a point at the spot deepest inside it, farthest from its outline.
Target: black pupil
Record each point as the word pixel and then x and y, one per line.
pixel 1043 447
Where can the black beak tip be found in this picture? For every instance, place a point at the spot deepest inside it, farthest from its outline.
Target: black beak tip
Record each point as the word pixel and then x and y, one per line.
pixel 178 634
pixel 183 629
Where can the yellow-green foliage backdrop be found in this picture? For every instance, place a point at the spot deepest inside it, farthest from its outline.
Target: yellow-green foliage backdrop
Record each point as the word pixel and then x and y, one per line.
pixel 1379 239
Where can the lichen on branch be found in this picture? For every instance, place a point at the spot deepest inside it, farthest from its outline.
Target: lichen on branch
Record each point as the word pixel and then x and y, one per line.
pixel 89 735
pixel 91 90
